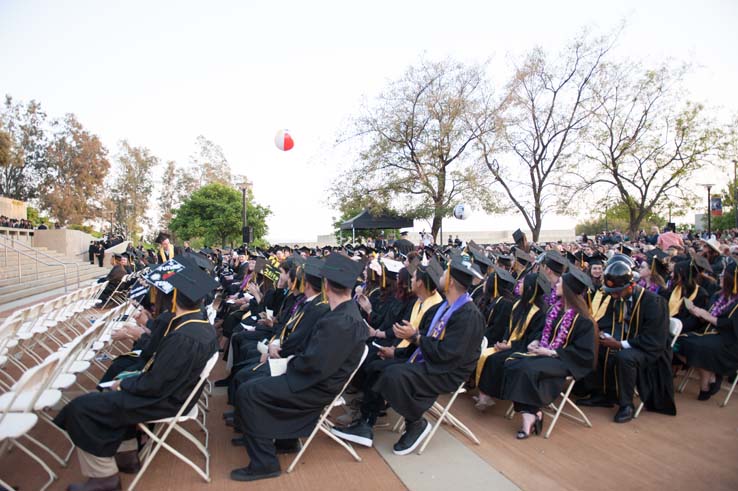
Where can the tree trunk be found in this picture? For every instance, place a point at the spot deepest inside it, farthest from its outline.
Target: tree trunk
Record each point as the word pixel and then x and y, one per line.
pixel 436 226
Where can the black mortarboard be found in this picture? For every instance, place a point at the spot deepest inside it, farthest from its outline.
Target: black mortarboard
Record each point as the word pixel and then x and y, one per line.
pixel 207 250
pixel 259 264
pixel 555 261
pixel 522 257
pixel 118 256
pixel 505 259
pixel 518 236
pixel 597 258
pixel 543 285
pixel 201 261
pixel 537 249
pixel 628 251
pixel 461 270
pixel 480 257
pixel 313 267
pixel 577 280
pixel 342 270
pixel 701 263
pixel 503 275
pixel 434 270
pixel 160 238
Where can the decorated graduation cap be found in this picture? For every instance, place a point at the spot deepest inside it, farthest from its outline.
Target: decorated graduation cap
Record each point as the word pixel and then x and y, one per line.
pixel 162 237
pixel 391 267
pixel 577 280
pixel 341 270
pixel 201 261
pixel 181 275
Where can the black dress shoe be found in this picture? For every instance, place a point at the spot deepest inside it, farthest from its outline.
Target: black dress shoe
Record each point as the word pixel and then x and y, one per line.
pixel 111 483
pixel 595 401
pixel 414 435
pixel 128 462
pixel 624 414
pixel 229 414
pixel 716 385
pixel 248 474
pixel 238 441
pixel 359 432
pixel 704 395
pixel 290 446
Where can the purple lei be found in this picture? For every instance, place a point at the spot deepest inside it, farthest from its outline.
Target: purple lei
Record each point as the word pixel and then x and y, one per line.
pixel 722 304
pixel 553 299
pixel 518 288
pixel 561 334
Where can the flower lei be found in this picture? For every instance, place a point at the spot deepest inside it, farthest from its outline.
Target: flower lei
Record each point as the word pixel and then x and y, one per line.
pixel 722 304
pixel 518 287
pixel 653 287
pixel 553 299
pixel 563 331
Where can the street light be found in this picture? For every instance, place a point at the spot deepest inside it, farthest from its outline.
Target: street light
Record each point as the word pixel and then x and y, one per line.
pixel 709 211
pixel 244 187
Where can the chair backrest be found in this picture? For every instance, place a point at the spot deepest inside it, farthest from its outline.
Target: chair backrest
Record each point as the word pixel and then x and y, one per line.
pixel 348 380
pixel 675 329
pixel 36 380
pixel 485 343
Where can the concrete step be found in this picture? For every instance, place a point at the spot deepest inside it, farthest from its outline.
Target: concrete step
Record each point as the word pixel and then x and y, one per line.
pixel 50 274
pixel 28 289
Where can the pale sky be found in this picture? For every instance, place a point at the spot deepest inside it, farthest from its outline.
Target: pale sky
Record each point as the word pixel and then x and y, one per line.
pixel 162 73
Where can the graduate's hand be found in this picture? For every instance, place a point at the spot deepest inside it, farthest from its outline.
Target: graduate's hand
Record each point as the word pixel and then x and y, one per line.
pixel 263 357
pixel 119 334
pixel 404 331
pixel 380 334
pixel 266 322
pixel 274 350
pixel 502 346
pixel 609 342
pixel 115 386
pixel 533 345
pixel 372 331
pixel 364 303
pixel 540 351
pixel 386 352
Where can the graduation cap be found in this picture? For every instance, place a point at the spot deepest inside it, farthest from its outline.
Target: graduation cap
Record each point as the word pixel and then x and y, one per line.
pixel 201 261
pixel 207 250
pixel 701 263
pixel 537 249
pixel 518 237
pixel 522 257
pixel 505 260
pixel 434 270
pixel 577 280
pixel 656 260
pixel 392 267
pixel 555 261
pixel 259 264
pixel 480 257
pixel 161 237
pixel 313 267
pixel 504 276
pixel 340 269
pixel 597 259
pixel 627 250
pixel 543 286
pixel 461 270
pixel 182 274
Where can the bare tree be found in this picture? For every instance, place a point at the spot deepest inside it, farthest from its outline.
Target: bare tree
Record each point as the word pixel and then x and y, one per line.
pixel 646 141
pixel 548 103
pixel 415 142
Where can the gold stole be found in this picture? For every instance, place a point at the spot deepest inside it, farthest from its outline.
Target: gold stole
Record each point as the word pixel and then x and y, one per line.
pixel 170 250
pixel 169 326
pixel 515 335
pixel 419 310
pixel 676 299
pixel 599 305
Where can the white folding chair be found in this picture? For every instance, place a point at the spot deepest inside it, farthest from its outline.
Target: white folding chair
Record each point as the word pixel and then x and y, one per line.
pixel 325 426
pixel 18 416
pixel 442 414
pixel 675 329
pixel 163 427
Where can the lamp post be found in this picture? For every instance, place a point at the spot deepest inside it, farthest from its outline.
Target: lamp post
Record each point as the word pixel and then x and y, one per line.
pixel 244 187
pixel 709 211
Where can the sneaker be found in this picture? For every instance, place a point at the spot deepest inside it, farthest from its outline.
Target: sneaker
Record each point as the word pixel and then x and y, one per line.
pixel 360 432
pixel 414 434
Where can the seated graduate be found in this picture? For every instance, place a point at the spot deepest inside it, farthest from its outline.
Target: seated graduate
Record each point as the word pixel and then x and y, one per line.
pixel 103 424
pixel 381 307
pixel 684 286
pixel 288 406
pixel 714 352
pixel 653 273
pixel 535 378
pixel 496 304
pixel 443 357
pixel 525 326
pixel 287 341
pixel 426 283
pixel 634 348
pixel 114 277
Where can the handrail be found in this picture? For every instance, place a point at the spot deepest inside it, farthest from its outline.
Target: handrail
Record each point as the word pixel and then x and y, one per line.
pixel 54 261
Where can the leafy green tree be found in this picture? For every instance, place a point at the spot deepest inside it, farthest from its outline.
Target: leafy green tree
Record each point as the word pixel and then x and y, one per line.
pixel 23 168
pixel 213 213
pixel 132 188
pixel 168 195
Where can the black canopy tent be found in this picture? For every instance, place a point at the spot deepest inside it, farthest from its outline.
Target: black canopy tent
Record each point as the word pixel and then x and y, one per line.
pixel 366 221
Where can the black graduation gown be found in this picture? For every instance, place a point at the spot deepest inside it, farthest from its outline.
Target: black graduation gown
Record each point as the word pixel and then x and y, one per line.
pixel 492 375
pixel 289 405
pixel 98 422
pixel 538 380
pixel 715 350
pixel 689 322
pixel 148 344
pixel 412 388
pixel 498 319
pixel 114 277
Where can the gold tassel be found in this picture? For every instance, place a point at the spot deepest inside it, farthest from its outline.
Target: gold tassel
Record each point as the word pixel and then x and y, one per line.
pixel 448 279
pixel 384 276
pixel 174 302
pixel 735 280
pixel 323 295
pixel 496 292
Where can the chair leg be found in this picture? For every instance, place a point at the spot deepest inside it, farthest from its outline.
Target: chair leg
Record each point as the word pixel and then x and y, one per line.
pixel 685 380
pixel 559 409
pixel 638 411
pixel 307 442
pixel 48 470
pixel 349 448
pixel 510 412
pixel 438 422
pixel 730 392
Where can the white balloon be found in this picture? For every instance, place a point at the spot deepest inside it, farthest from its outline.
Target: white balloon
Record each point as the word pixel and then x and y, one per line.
pixel 461 211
